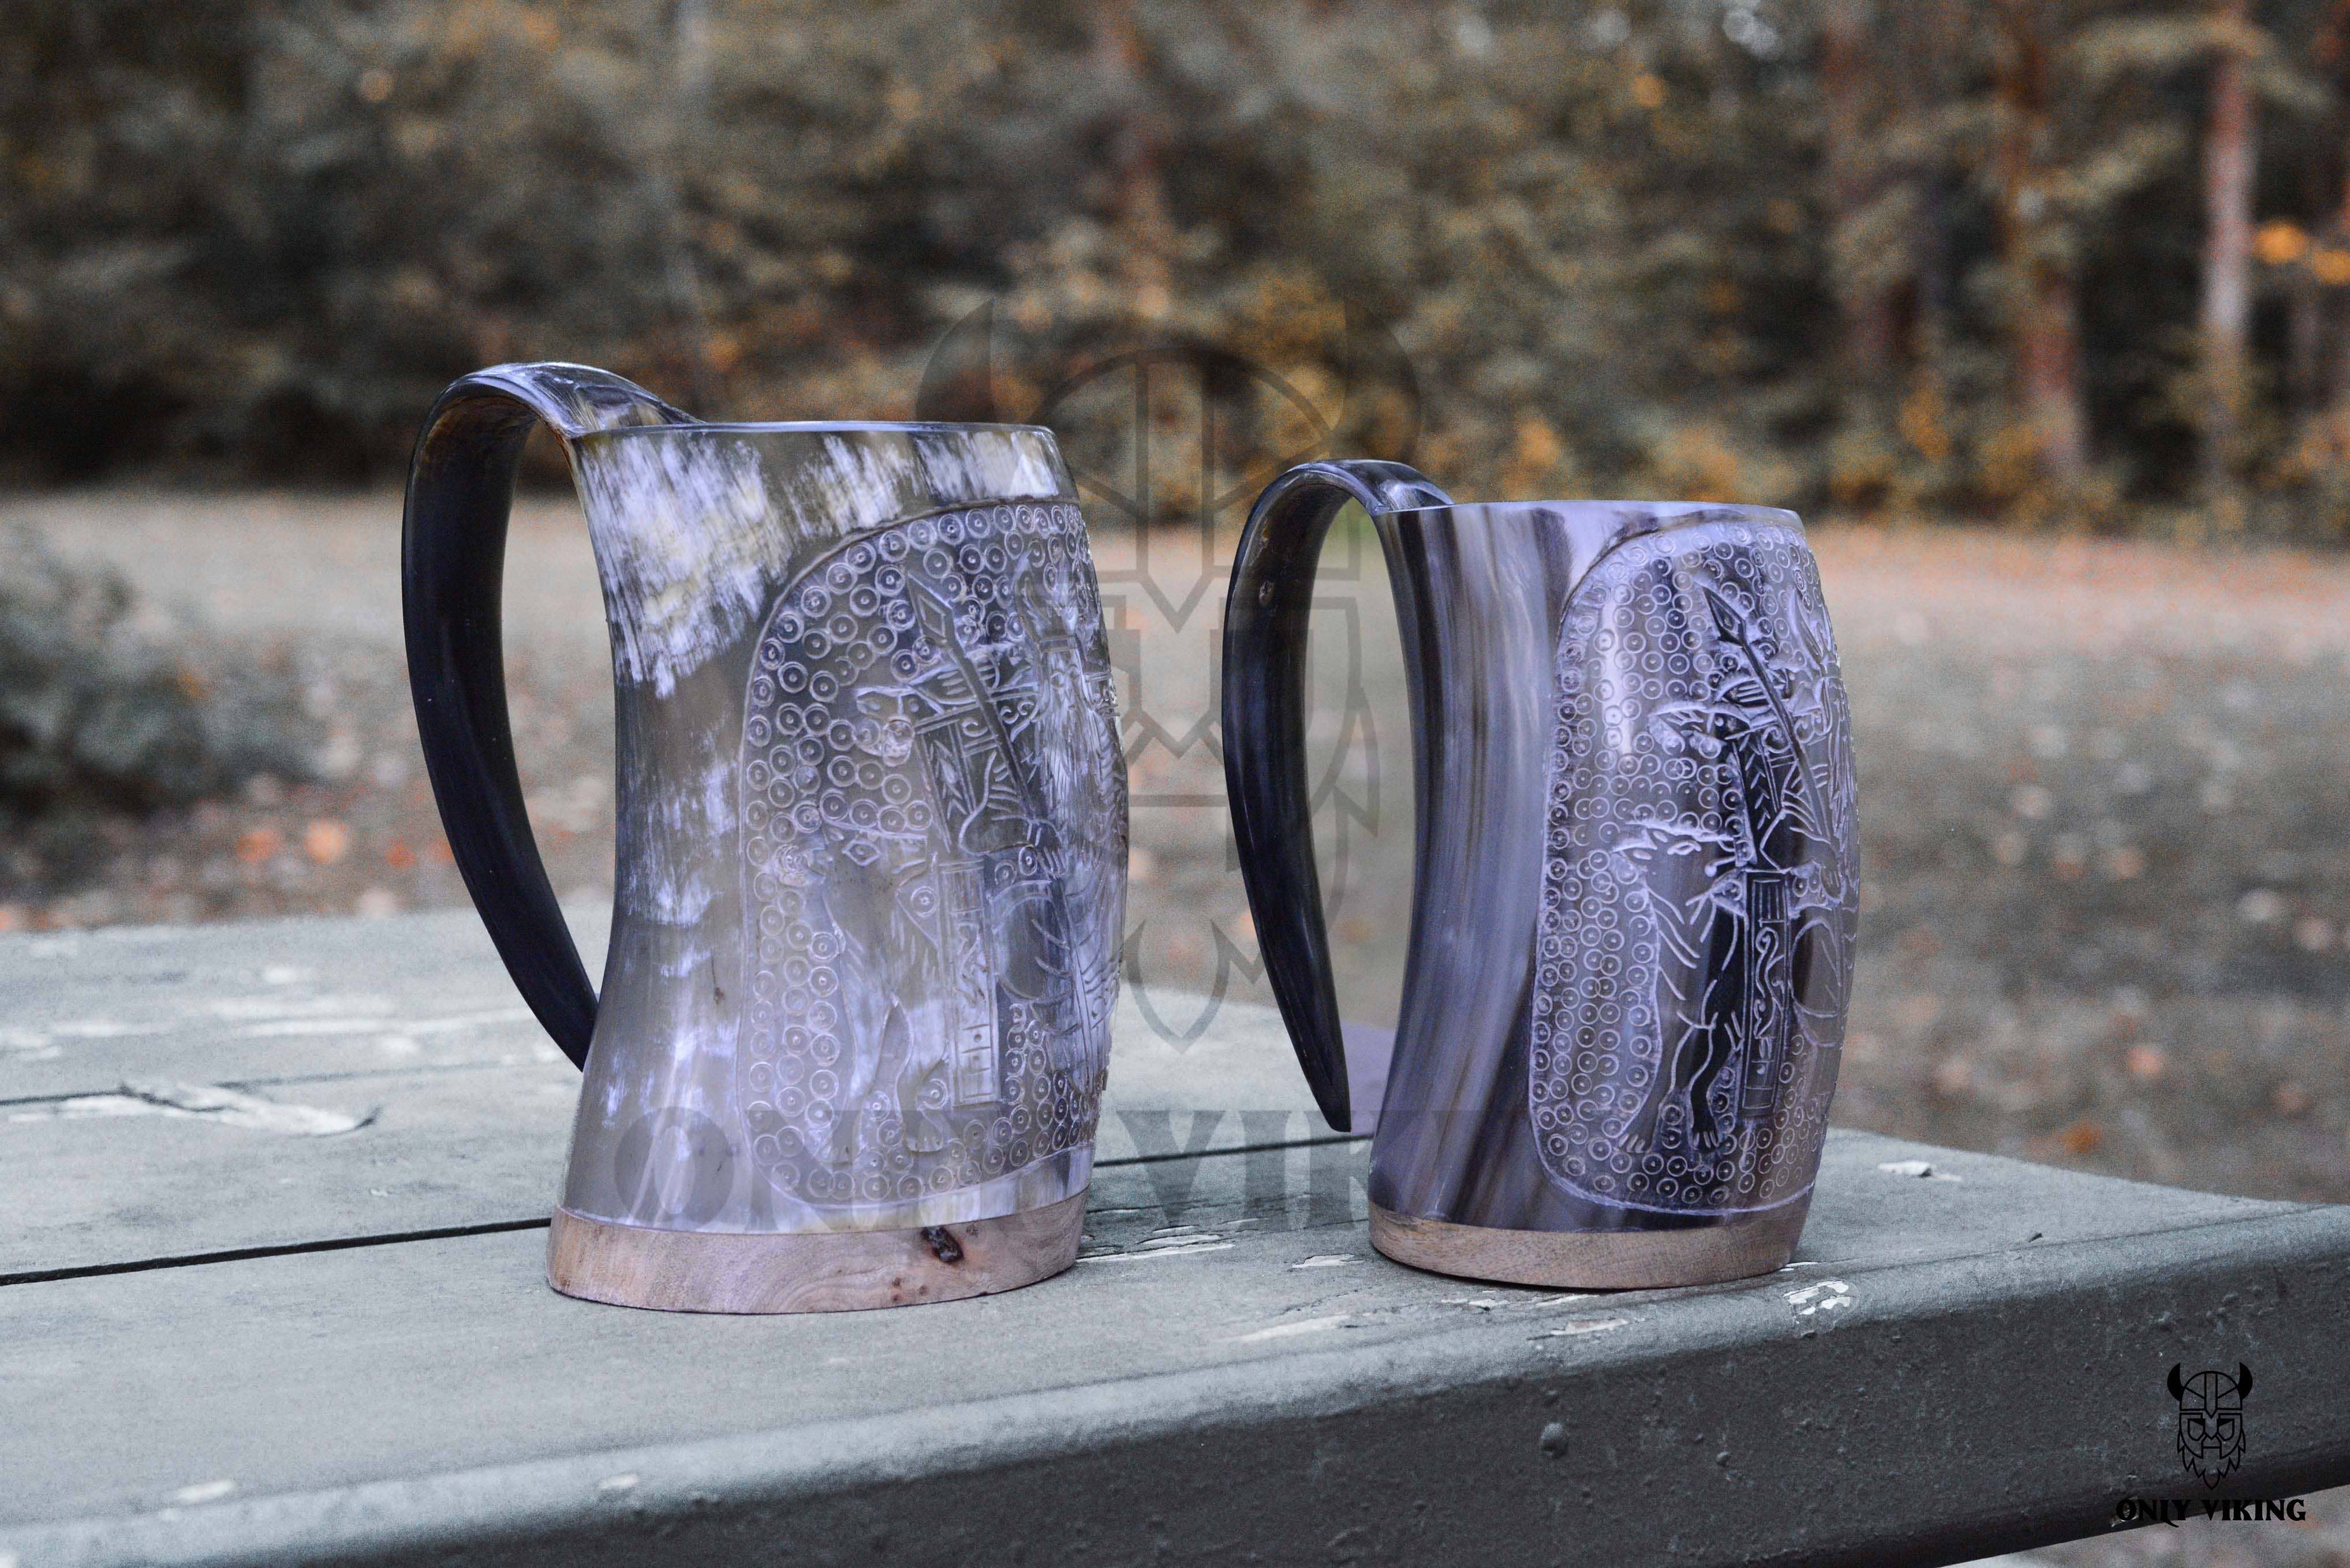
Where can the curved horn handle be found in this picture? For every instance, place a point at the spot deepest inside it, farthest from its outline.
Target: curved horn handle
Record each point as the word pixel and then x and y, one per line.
pixel 1265 619
pixel 452 560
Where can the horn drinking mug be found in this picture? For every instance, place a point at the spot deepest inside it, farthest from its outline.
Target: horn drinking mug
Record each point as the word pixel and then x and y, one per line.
pixel 870 864
pixel 1635 893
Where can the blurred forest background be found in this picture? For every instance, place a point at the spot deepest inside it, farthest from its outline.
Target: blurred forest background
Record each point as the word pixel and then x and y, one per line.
pixel 2079 262
pixel 2042 306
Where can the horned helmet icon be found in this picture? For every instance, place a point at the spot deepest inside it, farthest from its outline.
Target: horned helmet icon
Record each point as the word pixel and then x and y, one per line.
pixel 2211 1421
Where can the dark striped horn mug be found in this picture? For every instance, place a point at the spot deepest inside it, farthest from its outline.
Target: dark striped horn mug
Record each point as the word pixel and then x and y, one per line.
pixel 1637 887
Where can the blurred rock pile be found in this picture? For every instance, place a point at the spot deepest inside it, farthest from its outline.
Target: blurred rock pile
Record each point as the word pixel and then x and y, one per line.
pixel 103 713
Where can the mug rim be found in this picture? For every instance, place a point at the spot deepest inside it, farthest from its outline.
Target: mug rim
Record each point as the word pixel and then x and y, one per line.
pixel 1656 509
pixel 812 427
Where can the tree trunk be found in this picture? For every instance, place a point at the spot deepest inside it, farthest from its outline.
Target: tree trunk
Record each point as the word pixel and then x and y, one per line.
pixel 1871 337
pixel 2306 321
pixel 2330 372
pixel 2045 330
pixel 683 31
pixel 2336 396
pixel 1146 234
pixel 2227 253
pixel 2304 341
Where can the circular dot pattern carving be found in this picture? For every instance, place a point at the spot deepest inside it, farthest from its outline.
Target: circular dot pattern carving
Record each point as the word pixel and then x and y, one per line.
pixel 934 832
pixel 1699 902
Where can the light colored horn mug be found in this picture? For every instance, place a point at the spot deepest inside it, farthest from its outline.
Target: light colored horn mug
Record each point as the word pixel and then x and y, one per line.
pixel 1637 890
pixel 871 872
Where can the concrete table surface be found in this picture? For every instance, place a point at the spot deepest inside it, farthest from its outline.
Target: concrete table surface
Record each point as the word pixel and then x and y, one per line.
pixel 225 1338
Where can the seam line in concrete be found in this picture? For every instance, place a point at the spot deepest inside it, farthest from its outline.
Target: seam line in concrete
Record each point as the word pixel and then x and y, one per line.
pixel 286 1250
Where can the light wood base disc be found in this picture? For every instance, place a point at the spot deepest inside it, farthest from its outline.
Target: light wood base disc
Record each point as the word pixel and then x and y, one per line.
pixel 1593 1260
pixel 829 1271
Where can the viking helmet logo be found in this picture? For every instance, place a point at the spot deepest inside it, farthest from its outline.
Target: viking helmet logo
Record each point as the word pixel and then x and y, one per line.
pixel 2211 1421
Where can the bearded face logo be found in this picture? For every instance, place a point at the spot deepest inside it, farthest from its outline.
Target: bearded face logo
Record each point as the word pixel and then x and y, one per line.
pixel 2211 1421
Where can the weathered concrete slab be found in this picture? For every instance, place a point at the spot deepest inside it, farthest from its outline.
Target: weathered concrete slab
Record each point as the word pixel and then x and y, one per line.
pixel 411 1025
pixel 121 1182
pixel 1969 1355
pixel 119 1185
pixel 279 1002
pixel 276 1002
pixel 1975 1363
pixel 261 1002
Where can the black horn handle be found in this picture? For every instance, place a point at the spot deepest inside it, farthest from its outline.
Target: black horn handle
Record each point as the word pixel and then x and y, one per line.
pixel 453 561
pixel 1265 620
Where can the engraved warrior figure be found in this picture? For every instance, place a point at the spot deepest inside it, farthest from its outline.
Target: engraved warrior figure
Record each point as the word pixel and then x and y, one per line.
pixel 885 901
pixel 1734 907
pixel 1684 879
pixel 1002 854
pixel 920 1002
pixel 935 1005
pixel 1073 754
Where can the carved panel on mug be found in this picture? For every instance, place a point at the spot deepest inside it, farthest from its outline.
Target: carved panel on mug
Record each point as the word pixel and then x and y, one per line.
pixel 933 822
pixel 1701 898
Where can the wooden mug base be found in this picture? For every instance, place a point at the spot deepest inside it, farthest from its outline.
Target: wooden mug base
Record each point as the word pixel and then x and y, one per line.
pixel 1593 1260
pixel 830 1270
